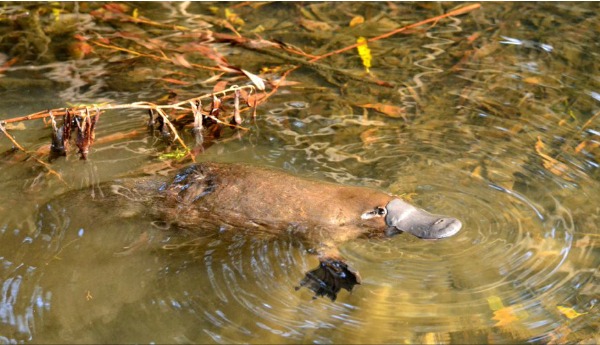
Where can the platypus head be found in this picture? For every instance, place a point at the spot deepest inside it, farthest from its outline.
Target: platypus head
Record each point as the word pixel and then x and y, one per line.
pixel 401 216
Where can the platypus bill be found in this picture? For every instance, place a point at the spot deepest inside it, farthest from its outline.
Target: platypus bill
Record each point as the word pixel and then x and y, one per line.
pixel 271 201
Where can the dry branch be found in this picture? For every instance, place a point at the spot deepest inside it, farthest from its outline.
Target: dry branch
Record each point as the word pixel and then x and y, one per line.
pixel 456 12
pixel 80 120
pixel 136 105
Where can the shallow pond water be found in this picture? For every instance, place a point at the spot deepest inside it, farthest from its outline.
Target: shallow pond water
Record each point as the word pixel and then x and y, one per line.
pixel 499 128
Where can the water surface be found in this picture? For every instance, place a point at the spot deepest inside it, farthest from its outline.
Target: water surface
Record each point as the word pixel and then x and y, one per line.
pixel 499 128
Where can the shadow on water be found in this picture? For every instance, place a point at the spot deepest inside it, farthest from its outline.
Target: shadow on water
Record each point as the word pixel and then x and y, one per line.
pixel 499 128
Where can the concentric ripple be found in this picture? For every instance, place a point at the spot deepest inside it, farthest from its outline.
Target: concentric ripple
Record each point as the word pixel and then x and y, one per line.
pixel 515 270
pixel 524 262
pixel 501 274
pixel 502 136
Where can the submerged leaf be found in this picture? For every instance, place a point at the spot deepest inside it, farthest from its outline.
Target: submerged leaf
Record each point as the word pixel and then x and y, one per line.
pixel 476 173
pixel 357 21
pixel 220 86
pixel 313 25
pixel 177 154
pixel 207 51
pixel 369 137
pixel 554 166
pixel 179 59
pixel 569 312
pixel 504 316
pixel 116 8
pixel 215 106
pixel 78 50
pixel 233 18
pixel 175 81
pixel 587 145
pixel 387 109
pixel 532 80
pixel 364 52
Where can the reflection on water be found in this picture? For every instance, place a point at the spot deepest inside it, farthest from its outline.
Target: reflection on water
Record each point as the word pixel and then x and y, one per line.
pixel 501 131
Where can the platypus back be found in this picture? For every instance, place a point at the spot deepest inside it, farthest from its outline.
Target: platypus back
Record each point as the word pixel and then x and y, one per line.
pixel 275 201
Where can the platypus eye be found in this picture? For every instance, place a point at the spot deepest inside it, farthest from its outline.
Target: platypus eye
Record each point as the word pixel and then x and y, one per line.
pixel 377 212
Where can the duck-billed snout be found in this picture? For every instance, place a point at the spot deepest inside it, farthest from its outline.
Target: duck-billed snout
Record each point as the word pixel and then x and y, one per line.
pixel 405 217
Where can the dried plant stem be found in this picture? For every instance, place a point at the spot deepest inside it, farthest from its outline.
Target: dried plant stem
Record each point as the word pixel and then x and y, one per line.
pixel 183 105
pixel 588 122
pixel 166 120
pixel 456 12
pixel 21 148
pixel 83 114
pixel 151 56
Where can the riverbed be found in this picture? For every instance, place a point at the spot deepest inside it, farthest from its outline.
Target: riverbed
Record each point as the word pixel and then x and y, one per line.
pixel 491 117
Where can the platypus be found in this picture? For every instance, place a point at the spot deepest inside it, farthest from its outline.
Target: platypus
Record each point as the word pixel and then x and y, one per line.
pixel 266 200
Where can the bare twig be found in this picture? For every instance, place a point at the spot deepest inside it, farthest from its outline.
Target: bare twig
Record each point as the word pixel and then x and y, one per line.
pixel 166 121
pixel 21 148
pixel 136 105
pixel 457 12
pixel 86 121
pixel 151 56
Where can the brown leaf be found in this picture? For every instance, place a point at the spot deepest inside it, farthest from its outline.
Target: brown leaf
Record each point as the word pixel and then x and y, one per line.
pixel 369 137
pixel 261 44
pixel 252 99
pixel 256 80
pixel 477 172
pixel 8 63
pixel 356 21
pixel 148 43
pixel 313 25
pixel 103 40
pixel 387 109
pixel 175 81
pixel 532 80
pixel 116 8
pixel 473 37
pixel 206 51
pixel 180 60
pixel 554 166
pixel 80 37
pixel 214 108
pixel 220 86
pixel 78 50
pixel 230 69
pixel 283 82
pixel 587 145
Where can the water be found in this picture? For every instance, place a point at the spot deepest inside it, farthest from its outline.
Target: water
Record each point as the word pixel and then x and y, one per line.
pixel 501 130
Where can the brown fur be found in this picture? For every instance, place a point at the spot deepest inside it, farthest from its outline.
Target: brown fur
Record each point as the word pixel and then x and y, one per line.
pixel 272 201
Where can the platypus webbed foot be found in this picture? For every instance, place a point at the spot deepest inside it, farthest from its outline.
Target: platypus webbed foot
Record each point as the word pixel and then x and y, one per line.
pixel 329 278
